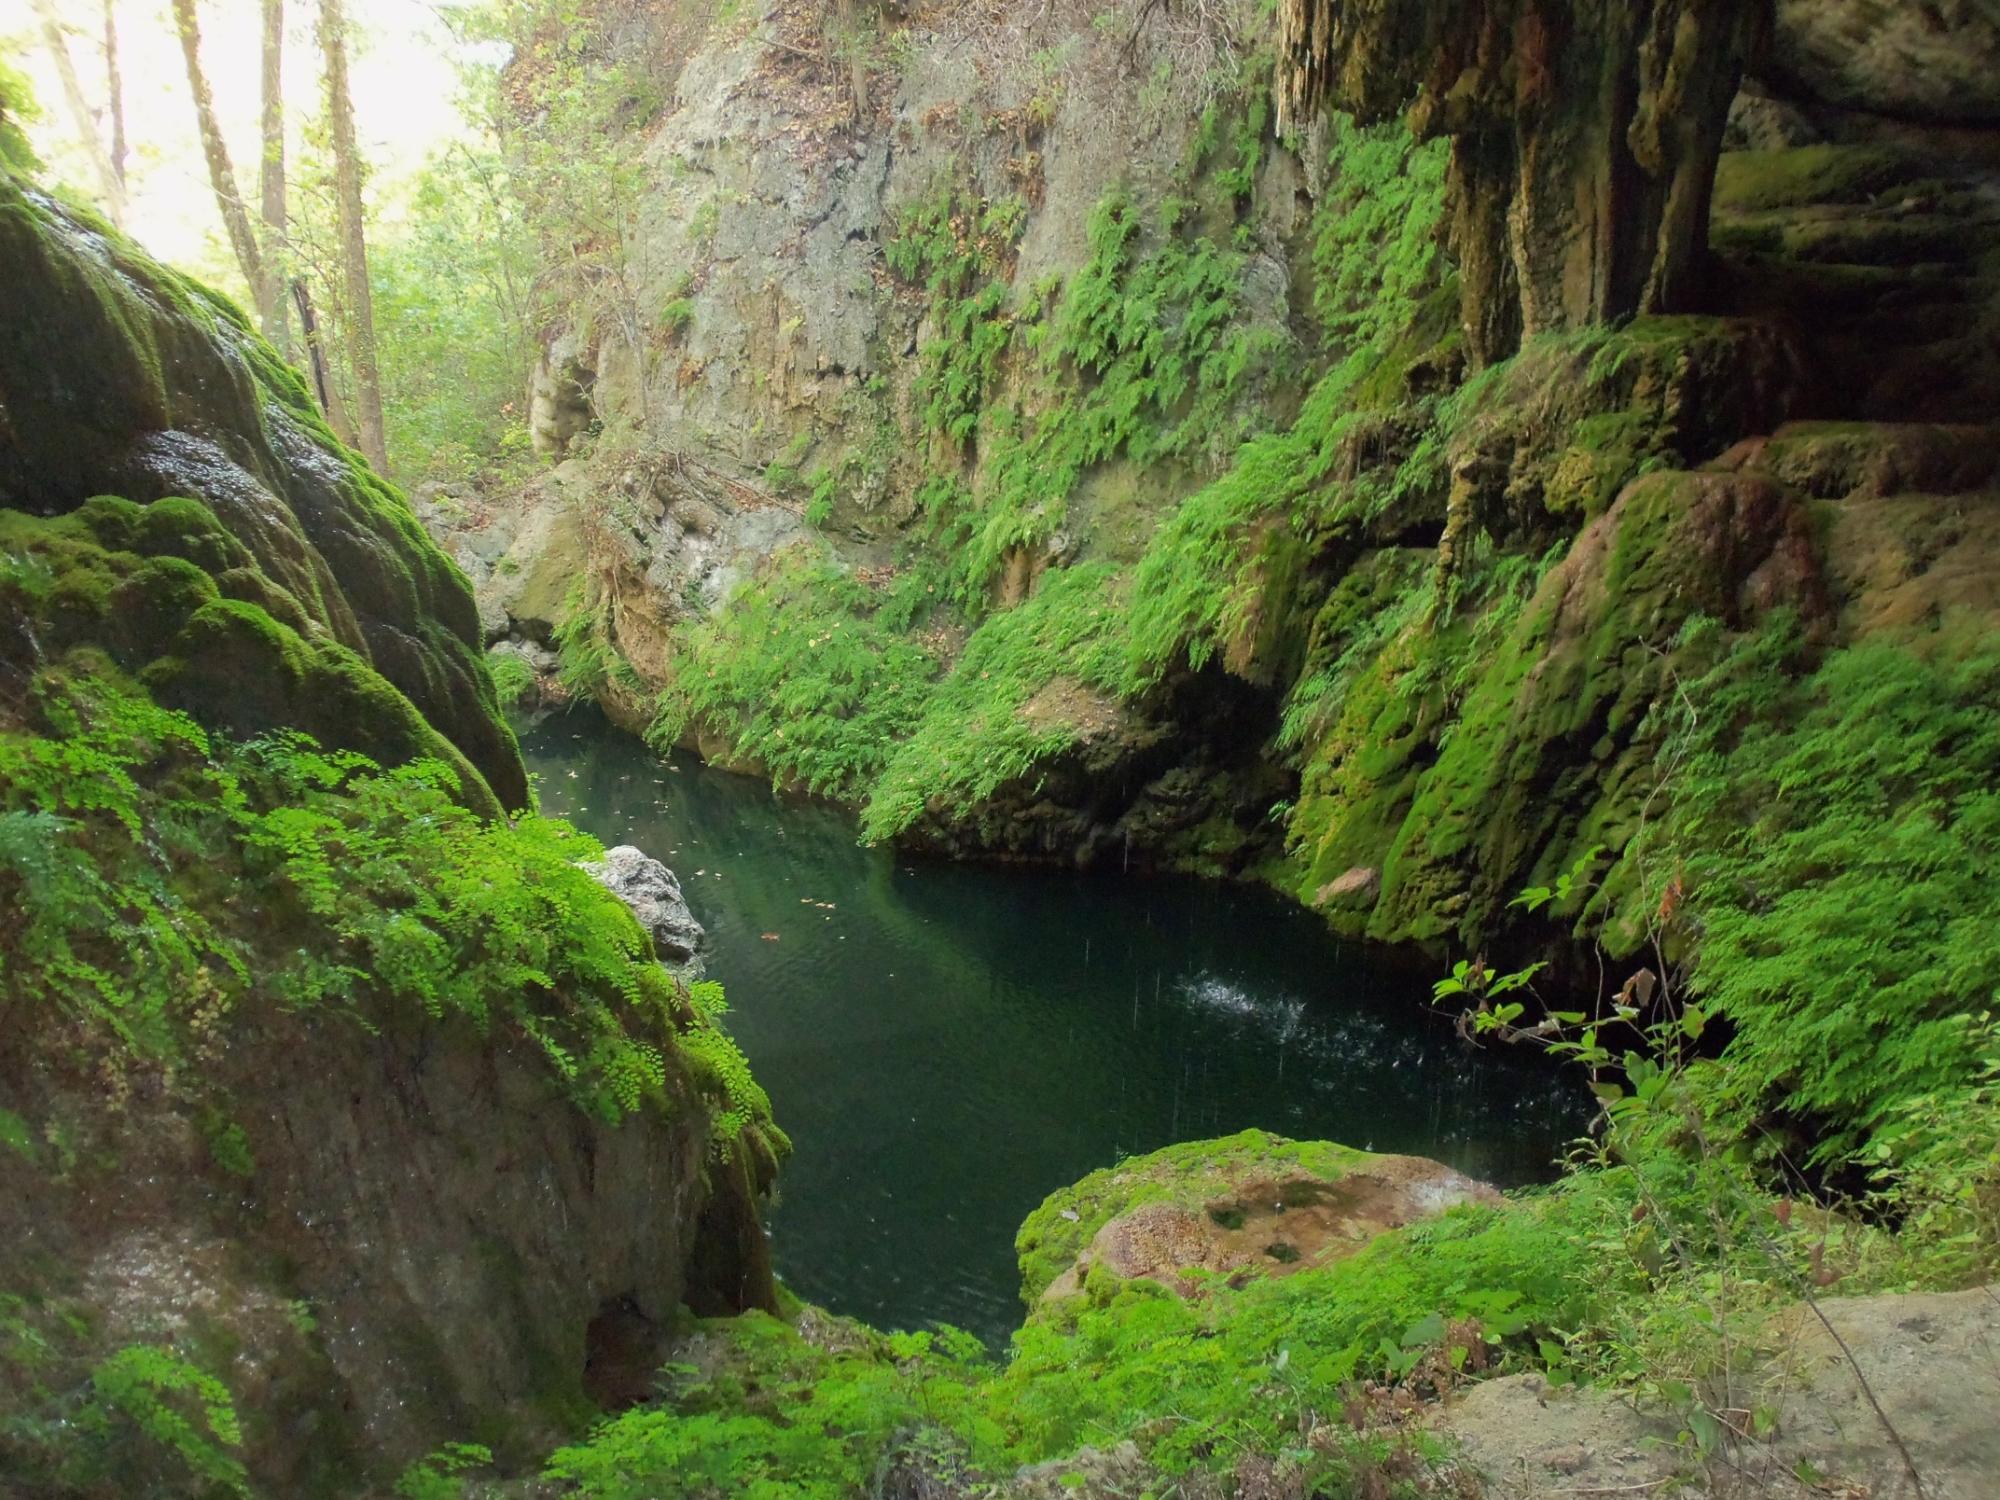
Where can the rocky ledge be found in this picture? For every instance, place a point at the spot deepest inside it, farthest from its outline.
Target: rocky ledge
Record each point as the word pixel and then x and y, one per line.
pixel 1238 1209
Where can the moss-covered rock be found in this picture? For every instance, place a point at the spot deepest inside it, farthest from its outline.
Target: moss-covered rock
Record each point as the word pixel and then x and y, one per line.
pixel 1550 750
pixel 1556 432
pixel 1243 1206
pixel 1885 264
pixel 121 377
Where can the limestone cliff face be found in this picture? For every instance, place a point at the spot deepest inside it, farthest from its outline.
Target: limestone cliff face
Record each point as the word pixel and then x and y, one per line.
pixel 119 377
pixel 1563 456
pixel 771 356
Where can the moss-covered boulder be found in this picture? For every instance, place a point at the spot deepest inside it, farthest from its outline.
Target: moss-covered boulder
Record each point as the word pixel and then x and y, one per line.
pixel 1553 732
pixel 1884 261
pixel 170 596
pixel 121 377
pixel 1242 1207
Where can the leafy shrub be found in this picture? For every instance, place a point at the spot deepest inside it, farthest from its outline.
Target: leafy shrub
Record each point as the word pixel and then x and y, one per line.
pixel 1839 823
pixel 182 1413
pixel 773 1417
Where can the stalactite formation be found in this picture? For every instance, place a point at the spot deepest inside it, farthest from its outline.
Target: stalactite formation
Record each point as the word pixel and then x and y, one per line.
pixel 1584 138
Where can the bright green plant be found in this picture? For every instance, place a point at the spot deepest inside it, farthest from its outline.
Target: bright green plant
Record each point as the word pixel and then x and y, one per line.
pixel 183 1414
pixel 776 1418
pixel 1836 820
pixel 800 674
pixel 123 826
pixel 440 1475
pixel 977 730
pixel 513 678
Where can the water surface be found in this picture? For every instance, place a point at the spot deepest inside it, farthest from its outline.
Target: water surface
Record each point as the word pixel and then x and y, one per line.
pixel 947 1044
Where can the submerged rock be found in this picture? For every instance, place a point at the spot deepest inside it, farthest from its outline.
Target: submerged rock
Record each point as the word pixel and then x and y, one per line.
pixel 654 894
pixel 1242 1207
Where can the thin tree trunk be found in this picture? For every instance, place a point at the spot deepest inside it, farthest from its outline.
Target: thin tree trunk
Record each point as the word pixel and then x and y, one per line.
pixel 82 118
pixel 272 303
pixel 114 86
pixel 360 320
pixel 221 176
pixel 323 386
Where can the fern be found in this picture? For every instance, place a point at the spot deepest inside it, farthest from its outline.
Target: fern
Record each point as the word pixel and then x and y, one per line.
pixel 1840 823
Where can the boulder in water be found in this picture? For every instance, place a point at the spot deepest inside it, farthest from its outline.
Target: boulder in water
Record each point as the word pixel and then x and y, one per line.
pixel 654 894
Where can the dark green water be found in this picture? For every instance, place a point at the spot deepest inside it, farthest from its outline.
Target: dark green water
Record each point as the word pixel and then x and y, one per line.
pixel 950 1043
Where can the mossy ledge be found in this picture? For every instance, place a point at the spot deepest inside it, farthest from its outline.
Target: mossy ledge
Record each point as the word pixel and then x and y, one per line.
pixel 121 377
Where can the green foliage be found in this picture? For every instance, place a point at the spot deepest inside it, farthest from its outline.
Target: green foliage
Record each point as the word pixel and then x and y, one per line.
pixel 801 675
pixel 587 659
pixel 958 252
pixel 169 878
pixel 440 1475
pixel 769 1416
pixel 1837 821
pixel 454 319
pixel 1376 242
pixel 572 108
pixel 17 108
pixel 180 1411
pixel 977 730
pixel 513 678
pixel 1130 1356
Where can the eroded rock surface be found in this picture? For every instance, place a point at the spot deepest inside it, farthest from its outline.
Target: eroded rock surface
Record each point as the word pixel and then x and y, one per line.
pixel 1584 138
pixel 415 1239
pixel 1931 1360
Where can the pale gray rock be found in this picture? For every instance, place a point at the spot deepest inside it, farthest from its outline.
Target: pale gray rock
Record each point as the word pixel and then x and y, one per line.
pixel 653 892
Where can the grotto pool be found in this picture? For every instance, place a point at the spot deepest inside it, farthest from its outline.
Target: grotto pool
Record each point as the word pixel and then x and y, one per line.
pixel 946 1044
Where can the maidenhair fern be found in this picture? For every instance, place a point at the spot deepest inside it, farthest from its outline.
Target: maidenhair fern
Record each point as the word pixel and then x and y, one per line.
pixel 800 674
pixel 166 878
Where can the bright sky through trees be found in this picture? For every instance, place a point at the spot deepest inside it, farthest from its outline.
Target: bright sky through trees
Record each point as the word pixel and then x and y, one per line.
pixel 404 81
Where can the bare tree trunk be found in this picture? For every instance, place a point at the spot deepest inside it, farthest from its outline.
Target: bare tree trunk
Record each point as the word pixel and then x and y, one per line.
pixel 221 176
pixel 114 87
pixel 323 386
pixel 360 320
pixel 82 118
pixel 272 303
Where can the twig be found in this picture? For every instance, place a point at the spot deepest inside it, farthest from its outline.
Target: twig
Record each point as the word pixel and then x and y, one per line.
pixel 1860 1378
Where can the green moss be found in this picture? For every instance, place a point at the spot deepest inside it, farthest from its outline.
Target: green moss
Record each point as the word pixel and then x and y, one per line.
pixel 179 527
pixel 1190 1175
pixel 975 730
pixel 106 348
pixel 1793 177
pixel 236 668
